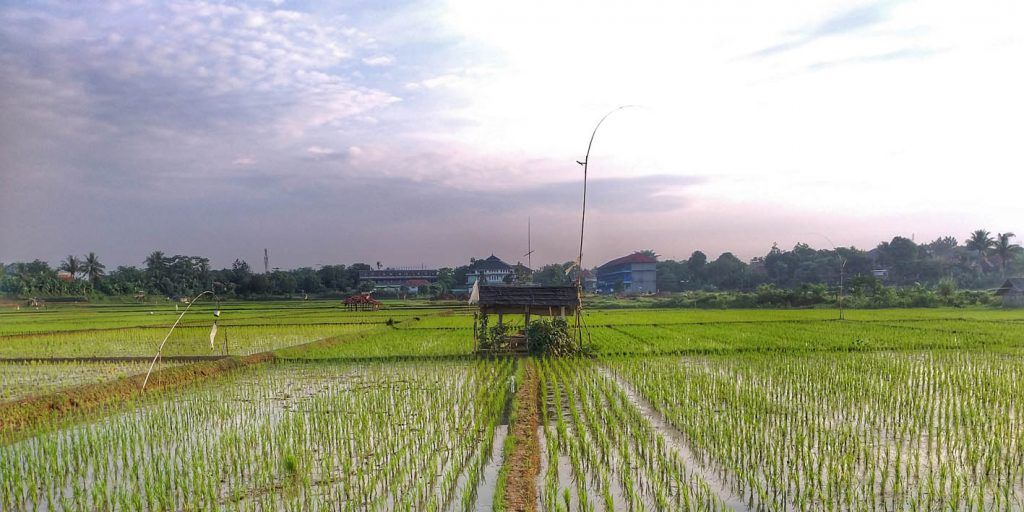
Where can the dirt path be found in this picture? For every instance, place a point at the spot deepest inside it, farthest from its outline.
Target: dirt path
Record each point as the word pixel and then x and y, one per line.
pixel 524 462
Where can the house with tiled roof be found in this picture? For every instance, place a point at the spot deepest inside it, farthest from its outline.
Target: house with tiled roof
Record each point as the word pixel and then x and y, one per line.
pixel 633 274
pixel 489 271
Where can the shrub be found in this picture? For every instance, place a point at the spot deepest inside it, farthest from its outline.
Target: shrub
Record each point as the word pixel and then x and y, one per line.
pixel 551 337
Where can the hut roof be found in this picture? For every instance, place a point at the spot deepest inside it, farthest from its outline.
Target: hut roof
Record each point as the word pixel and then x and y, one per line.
pixel 363 298
pixel 536 296
pixel 1012 285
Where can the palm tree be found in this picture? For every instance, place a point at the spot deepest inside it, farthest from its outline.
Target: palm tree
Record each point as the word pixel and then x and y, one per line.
pixel 155 261
pixel 981 241
pixel 92 267
pixel 1004 249
pixel 72 265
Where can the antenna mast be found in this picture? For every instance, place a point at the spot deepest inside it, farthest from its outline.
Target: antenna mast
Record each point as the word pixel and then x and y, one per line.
pixel 266 262
pixel 529 247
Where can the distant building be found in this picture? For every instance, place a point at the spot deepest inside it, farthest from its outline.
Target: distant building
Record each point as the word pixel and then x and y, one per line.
pixel 417 285
pixel 490 270
pixel 1012 292
pixel 589 281
pixel 396 278
pixel 633 274
pixel 880 273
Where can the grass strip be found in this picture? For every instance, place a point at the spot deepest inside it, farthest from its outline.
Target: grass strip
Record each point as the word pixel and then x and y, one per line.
pixel 523 461
pixel 27 413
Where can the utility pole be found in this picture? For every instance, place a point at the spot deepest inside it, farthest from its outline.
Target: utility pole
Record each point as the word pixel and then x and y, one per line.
pixel 529 247
pixel 266 262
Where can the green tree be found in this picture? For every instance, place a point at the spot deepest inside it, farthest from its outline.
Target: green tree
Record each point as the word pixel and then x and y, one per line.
pixel 332 277
pixel 125 281
pixel 71 265
pixel 522 273
pixel 156 271
pixel 92 268
pixel 698 260
pixel 445 279
pixel 553 275
pixel 981 241
pixel 946 289
pixel 460 276
pixel 1004 249
pixel 727 272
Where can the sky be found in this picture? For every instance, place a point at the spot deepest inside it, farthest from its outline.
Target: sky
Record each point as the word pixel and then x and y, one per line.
pixel 426 133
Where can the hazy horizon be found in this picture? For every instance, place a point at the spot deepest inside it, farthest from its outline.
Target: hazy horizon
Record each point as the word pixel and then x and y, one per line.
pixel 428 132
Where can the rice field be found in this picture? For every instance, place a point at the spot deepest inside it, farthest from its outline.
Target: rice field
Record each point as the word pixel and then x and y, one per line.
pixel 20 380
pixel 788 410
pixel 873 431
pixel 293 437
pixel 184 341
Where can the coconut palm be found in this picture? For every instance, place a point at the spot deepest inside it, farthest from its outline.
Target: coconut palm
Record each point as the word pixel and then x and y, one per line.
pixel 92 268
pixel 981 241
pixel 72 265
pixel 1004 249
pixel 156 261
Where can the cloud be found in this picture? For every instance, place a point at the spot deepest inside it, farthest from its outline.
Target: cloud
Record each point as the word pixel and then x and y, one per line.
pixel 196 66
pixel 845 22
pixel 444 125
pixel 379 60
pixel 905 54
pixel 317 151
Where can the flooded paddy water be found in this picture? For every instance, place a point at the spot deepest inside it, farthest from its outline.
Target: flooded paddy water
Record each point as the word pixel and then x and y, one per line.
pixel 305 436
pixel 405 419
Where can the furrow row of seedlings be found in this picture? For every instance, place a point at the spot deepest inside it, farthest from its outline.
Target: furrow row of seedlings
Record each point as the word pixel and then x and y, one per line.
pixel 287 437
pixel 877 431
pixel 616 460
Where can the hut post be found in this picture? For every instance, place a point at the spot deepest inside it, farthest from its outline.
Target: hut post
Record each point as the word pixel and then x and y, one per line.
pixel 526 327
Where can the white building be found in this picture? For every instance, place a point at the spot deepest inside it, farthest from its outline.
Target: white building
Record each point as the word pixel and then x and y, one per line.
pixel 491 270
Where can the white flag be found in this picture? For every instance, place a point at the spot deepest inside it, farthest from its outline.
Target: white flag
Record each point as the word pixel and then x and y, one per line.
pixel 474 296
pixel 213 334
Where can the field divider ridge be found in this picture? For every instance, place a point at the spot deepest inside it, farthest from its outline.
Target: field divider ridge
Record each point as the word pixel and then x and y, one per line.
pixel 524 458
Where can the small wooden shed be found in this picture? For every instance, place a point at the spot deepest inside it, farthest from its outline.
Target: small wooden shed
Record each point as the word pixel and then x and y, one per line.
pixel 1012 292
pixel 527 301
pixel 361 302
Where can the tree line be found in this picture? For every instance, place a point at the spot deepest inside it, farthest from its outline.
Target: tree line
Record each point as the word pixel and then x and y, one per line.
pixel 981 262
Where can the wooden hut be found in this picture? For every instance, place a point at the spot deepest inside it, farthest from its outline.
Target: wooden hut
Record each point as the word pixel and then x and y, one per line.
pixel 1012 292
pixel 523 300
pixel 361 302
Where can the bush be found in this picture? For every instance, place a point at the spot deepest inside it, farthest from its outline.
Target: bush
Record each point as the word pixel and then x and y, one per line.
pixel 492 337
pixel 551 337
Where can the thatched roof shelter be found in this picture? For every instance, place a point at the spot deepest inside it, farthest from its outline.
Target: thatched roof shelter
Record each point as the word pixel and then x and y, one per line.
pixel 1012 292
pixel 520 300
pixel 530 300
